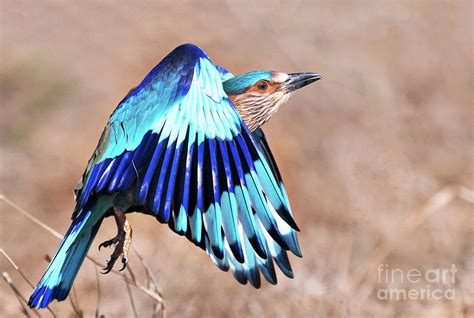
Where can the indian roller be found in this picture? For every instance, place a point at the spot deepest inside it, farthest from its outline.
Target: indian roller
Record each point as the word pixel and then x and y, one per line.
pixel 186 147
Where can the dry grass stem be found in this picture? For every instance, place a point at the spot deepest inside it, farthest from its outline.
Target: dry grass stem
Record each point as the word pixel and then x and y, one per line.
pixel 150 277
pixel 154 293
pixel 97 308
pixel 30 217
pixel 21 300
pixel 12 263
pixel 130 296
pixel 434 204
pixel 73 300
pixel 466 194
pixel 17 268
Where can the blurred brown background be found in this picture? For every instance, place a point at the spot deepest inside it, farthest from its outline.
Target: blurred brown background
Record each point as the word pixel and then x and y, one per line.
pixel 362 151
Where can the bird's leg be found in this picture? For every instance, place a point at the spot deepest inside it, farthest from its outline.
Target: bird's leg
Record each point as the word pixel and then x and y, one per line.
pixel 123 239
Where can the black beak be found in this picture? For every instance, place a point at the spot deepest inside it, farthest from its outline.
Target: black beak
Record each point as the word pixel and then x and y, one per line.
pixel 298 80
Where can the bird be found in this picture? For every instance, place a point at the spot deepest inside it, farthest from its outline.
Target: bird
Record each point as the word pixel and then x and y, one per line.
pixel 186 146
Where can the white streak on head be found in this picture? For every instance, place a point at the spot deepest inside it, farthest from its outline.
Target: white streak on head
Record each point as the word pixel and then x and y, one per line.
pixel 279 77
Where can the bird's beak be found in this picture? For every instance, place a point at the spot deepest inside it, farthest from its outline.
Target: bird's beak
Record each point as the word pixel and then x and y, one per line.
pixel 298 80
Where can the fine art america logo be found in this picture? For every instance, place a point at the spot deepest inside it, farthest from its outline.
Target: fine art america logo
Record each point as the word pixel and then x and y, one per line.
pixel 432 284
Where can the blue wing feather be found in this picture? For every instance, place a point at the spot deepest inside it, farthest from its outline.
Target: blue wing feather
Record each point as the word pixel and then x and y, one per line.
pixel 229 204
pixel 213 215
pixel 172 180
pixel 159 146
pixel 245 207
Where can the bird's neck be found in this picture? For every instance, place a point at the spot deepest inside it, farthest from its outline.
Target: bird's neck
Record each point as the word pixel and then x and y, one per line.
pixel 254 112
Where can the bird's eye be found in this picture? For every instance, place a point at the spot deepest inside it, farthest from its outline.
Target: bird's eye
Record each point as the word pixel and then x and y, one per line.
pixel 262 85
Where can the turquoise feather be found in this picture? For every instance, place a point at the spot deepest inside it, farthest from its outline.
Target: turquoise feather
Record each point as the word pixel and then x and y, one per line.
pixel 239 84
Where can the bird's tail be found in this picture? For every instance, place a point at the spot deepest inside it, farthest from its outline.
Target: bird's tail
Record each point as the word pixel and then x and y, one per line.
pixel 61 272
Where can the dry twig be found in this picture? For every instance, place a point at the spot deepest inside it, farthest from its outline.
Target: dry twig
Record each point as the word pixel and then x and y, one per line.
pixel 155 293
pixel 151 280
pixel 13 264
pixel 97 308
pixel 436 202
pixel 73 299
pixel 21 300
pixel 130 296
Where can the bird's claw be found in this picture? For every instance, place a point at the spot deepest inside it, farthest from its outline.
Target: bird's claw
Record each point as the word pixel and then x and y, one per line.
pixel 108 268
pixel 122 243
pixel 111 262
pixel 124 262
pixel 110 242
pixel 119 249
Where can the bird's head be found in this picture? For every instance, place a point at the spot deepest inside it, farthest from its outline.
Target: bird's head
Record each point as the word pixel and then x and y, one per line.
pixel 258 95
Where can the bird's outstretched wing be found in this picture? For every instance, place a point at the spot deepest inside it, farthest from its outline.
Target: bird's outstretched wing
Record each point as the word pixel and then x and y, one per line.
pixel 176 145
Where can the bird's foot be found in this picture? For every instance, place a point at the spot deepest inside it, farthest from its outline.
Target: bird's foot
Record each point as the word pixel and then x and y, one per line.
pixel 123 241
pixel 110 242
